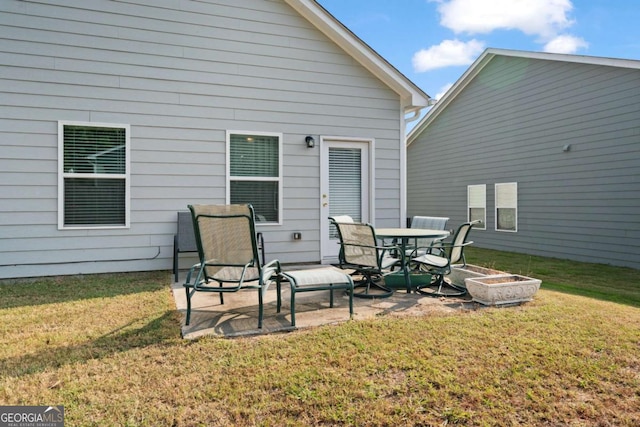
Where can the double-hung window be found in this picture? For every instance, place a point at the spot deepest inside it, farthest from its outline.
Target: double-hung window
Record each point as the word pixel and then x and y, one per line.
pixel 507 206
pixel 477 205
pixel 254 173
pixel 93 175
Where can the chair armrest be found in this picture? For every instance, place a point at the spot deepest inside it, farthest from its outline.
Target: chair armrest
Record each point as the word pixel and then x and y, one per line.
pixel 187 282
pixel 271 269
pixel 393 251
pixel 451 245
pixel 383 247
pixel 434 250
pixel 380 248
pixel 269 272
pixel 438 248
pixel 274 263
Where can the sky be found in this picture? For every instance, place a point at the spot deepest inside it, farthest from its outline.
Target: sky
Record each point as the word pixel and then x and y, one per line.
pixel 433 42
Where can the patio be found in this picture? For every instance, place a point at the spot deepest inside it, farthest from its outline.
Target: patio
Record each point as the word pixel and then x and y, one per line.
pixel 238 316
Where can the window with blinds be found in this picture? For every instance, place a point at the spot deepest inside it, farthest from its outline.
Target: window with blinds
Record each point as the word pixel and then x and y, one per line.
pixel 507 206
pixel 345 182
pixel 255 173
pixel 345 185
pixel 94 175
pixel 477 205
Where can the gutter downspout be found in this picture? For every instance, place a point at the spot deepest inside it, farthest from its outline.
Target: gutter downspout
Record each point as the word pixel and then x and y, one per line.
pixel 415 114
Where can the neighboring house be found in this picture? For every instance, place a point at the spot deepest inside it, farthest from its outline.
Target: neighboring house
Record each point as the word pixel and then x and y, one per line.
pixel 544 148
pixel 118 114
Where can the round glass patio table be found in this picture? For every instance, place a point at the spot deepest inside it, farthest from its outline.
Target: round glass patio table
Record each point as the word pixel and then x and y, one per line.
pixel 402 235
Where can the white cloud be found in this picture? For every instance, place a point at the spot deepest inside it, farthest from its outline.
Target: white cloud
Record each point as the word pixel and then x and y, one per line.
pixel 544 18
pixel 565 44
pixel 447 53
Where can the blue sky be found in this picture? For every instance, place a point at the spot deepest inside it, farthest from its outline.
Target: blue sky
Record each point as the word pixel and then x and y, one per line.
pixel 433 42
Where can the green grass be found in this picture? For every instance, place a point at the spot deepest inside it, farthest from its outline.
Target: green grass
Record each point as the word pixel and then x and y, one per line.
pixel 108 348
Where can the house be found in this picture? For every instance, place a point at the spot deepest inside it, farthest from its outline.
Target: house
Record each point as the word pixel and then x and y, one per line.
pixel 543 148
pixel 118 114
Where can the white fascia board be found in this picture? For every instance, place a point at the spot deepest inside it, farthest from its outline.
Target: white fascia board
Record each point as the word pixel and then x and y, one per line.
pixel 565 57
pixel 412 96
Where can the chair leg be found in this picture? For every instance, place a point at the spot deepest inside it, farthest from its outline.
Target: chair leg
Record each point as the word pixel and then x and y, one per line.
pixel 293 305
pixel 350 291
pixel 368 283
pixel 441 288
pixel 260 308
pixel 188 319
pixel 279 295
pixel 331 296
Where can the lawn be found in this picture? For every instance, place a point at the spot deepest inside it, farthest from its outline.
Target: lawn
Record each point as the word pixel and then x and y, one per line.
pixel 108 348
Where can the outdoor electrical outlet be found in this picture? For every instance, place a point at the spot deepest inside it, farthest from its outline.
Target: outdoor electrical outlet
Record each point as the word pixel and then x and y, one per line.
pixel 297 236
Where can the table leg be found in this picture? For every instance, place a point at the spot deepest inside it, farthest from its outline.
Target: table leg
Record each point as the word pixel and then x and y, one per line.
pixel 405 265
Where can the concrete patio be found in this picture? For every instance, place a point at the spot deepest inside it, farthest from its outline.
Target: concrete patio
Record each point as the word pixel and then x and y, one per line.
pixel 239 314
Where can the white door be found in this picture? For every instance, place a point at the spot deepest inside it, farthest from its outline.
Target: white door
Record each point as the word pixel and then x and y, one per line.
pixel 346 174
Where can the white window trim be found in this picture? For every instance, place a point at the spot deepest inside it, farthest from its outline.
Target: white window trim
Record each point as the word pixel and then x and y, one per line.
pixel 62 175
pixel 505 184
pixel 483 226
pixel 280 137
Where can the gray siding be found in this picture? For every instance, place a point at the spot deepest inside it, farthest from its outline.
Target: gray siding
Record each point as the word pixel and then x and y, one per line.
pixel 180 74
pixel 510 125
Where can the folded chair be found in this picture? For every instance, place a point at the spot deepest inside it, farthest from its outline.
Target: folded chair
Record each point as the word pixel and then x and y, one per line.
pixel 228 251
pixel 341 218
pixel 438 260
pixel 359 251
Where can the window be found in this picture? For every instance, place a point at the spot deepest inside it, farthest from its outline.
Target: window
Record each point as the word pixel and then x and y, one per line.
pixel 93 170
pixel 345 182
pixel 254 166
pixel 507 207
pixel 345 185
pixel 477 205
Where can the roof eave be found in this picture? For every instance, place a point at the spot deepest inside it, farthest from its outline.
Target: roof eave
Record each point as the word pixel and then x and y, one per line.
pixel 488 55
pixel 411 95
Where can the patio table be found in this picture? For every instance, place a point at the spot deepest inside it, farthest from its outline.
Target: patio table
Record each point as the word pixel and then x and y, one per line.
pixel 403 235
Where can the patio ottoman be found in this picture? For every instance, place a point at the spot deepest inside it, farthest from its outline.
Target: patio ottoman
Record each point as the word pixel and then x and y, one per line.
pixel 318 279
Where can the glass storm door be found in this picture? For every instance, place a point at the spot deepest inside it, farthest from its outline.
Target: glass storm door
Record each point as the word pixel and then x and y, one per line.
pixel 344 189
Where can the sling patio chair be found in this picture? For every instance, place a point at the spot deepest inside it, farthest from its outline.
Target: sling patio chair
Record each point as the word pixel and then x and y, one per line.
pixel 360 252
pixel 438 259
pixel 430 223
pixel 228 251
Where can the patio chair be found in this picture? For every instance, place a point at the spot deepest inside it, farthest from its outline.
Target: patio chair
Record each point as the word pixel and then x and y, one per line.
pixel 228 251
pixel 438 259
pixel 359 251
pixel 430 223
pixel 340 218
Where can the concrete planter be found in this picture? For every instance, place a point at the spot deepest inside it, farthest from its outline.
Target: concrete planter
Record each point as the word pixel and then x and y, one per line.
pixel 459 274
pixel 502 289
